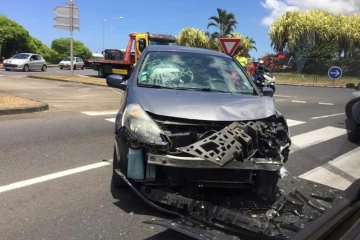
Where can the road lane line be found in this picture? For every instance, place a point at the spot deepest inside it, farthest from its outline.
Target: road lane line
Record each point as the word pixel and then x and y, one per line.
pixel 52 176
pixel 110 119
pixel 314 137
pixel 296 101
pixel 278 100
pixel 339 173
pixel 291 122
pixel 326 116
pixel 285 96
pixel 324 103
pixel 98 113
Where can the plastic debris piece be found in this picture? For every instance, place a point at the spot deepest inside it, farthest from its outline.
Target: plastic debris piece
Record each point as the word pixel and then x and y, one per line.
pixel 325 204
pixel 283 172
pixel 271 214
pixel 327 196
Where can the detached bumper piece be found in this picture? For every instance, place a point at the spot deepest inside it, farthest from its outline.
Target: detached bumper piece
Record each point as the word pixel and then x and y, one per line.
pixel 203 220
pixel 242 141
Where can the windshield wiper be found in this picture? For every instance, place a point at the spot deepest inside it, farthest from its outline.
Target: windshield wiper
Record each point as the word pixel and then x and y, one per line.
pixel 209 90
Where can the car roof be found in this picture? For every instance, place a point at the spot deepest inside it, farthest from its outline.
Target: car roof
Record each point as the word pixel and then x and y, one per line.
pixel 164 48
pixel 28 53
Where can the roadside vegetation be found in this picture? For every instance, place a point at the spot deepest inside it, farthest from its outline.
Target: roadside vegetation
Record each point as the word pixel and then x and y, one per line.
pixel 15 39
pixel 9 101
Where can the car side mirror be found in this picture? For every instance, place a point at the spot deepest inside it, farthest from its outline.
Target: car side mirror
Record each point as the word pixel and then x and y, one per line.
pixel 116 81
pixel 350 85
pixel 267 91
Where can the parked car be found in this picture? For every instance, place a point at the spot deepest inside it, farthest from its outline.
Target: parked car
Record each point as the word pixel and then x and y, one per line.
pixel 352 110
pixel 25 62
pixel 78 63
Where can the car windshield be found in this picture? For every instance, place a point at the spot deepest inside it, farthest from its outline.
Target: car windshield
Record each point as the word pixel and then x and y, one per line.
pixel 68 59
pixel 193 71
pixel 20 56
pixel 160 42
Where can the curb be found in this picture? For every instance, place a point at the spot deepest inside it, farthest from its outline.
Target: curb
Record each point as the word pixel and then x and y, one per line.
pixel 38 108
pixel 308 85
pixel 63 80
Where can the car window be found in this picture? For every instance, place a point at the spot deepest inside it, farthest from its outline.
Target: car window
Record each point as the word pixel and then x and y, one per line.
pixel 20 56
pixel 36 57
pixel 193 71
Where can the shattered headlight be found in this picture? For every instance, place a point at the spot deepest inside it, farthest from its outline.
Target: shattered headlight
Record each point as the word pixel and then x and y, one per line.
pixel 141 126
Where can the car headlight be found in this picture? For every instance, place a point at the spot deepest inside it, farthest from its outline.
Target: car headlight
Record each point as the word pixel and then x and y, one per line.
pixel 141 126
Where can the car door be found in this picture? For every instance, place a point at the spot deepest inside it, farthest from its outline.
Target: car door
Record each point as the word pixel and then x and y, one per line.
pixel 32 62
pixel 81 62
pixel 38 62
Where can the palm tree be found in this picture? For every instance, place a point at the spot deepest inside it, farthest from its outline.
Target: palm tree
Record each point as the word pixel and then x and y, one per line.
pixel 225 22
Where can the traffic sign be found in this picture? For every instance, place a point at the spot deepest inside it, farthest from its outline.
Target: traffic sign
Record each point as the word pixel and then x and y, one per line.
pixel 229 45
pixel 66 11
pixel 335 72
pixel 66 27
pixel 66 21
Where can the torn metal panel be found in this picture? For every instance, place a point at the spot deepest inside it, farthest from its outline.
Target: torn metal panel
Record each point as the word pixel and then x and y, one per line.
pixel 241 142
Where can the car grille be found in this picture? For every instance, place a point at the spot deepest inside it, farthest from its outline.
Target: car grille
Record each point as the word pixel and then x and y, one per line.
pixel 9 65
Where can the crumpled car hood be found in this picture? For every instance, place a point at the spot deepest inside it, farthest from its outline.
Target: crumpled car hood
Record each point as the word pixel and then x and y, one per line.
pixel 208 106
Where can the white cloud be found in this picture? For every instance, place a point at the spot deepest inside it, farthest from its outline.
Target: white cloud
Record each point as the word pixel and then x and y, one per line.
pixel 278 7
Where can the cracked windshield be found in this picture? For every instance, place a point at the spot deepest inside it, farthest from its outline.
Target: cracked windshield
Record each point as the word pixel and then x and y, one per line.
pixel 180 120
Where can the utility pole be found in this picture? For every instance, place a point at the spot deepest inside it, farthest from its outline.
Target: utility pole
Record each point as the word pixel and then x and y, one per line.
pixel 71 39
pixel 104 34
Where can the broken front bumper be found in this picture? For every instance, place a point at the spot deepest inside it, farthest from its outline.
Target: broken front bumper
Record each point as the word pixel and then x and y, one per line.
pixel 197 162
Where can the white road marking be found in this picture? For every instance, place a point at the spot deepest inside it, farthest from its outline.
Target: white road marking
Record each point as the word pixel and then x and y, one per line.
pixel 98 113
pixel 324 103
pixel 314 137
pixel 339 173
pixel 110 119
pixel 326 116
pixel 296 101
pixel 283 96
pixel 291 122
pixel 48 177
pixel 279 100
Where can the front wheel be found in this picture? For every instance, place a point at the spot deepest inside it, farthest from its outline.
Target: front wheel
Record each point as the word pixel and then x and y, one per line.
pixel 7 70
pixel 26 68
pixel 272 87
pixel 44 68
pixel 120 162
pixel 101 72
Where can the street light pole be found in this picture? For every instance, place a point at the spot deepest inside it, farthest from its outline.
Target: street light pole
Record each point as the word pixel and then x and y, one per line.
pixel 111 40
pixel 104 34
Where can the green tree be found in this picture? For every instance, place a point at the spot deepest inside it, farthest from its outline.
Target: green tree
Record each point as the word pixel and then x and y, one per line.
pixel 225 23
pixel 192 37
pixel 62 46
pixel 13 37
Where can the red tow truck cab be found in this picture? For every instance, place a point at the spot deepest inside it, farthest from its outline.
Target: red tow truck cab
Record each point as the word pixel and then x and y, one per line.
pixel 121 62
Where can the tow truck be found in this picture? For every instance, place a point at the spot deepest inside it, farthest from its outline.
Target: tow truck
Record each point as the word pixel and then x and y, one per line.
pixel 121 62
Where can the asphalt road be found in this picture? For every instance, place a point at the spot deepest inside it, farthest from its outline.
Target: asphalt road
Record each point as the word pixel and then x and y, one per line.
pixel 54 183
pixel 52 70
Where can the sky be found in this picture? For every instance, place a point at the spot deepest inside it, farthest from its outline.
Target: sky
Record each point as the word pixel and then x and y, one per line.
pixel 158 16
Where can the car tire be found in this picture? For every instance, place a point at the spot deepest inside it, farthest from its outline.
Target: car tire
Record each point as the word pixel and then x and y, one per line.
pixel 74 67
pixel 83 67
pixel 101 72
pixel 7 70
pixel 26 68
pixel 44 68
pixel 61 68
pixel 119 162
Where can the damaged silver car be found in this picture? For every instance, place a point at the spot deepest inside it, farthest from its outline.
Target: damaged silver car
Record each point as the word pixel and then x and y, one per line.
pixel 191 120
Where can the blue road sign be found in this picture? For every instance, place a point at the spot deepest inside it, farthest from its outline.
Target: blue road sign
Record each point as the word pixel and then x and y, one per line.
pixel 335 72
